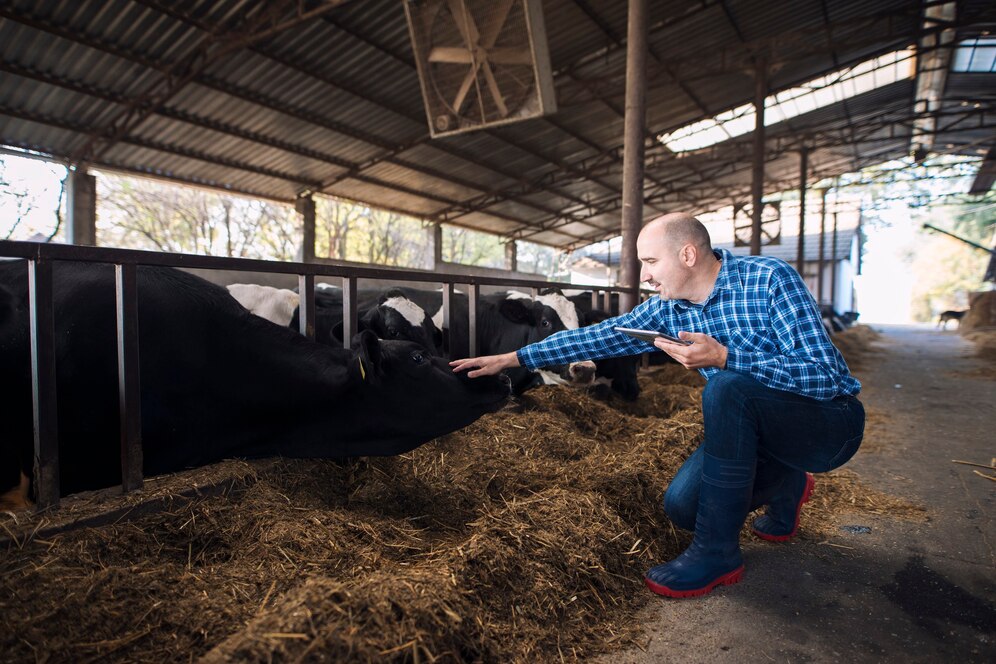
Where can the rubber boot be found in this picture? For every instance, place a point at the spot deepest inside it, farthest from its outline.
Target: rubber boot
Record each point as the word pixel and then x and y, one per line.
pixel 714 557
pixel 781 520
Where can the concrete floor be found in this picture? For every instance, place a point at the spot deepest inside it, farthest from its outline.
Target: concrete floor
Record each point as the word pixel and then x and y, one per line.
pixel 906 591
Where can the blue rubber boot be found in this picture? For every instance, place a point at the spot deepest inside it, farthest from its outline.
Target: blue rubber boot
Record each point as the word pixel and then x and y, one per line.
pixel 781 520
pixel 714 557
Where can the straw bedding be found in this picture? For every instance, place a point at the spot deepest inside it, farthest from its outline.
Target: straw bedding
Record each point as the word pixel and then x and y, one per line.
pixel 523 537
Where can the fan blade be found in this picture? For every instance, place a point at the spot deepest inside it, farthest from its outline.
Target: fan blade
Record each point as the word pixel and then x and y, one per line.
pixel 493 28
pixel 511 56
pixel 464 23
pixel 495 92
pixel 451 54
pixel 465 87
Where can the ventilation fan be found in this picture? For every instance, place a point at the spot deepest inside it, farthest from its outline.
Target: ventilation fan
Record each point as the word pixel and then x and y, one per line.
pixel 481 63
pixel 771 224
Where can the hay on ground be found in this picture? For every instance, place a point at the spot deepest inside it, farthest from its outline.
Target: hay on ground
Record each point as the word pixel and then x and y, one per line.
pixel 523 537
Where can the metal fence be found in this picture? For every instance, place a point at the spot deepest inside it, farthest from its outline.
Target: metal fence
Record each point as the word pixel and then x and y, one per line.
pixel 40 258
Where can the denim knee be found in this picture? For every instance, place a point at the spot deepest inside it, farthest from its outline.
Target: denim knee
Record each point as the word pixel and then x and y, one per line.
pixel 724 388
pixel 681 502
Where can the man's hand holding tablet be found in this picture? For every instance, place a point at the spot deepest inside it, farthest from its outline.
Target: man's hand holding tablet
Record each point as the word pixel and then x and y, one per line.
pixel 650 335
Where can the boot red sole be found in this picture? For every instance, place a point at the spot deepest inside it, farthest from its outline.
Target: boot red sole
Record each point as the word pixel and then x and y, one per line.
pixel 806 495
pixel 727 579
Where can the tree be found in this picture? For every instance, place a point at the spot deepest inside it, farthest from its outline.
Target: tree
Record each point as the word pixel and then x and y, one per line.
pixel 32 195
pixel 144 214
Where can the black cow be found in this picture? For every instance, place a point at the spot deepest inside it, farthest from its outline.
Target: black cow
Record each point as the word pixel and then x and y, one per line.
pixel 388 314
pixel 6 306
pixel 216 382
pixel 505 322
pixel 619 373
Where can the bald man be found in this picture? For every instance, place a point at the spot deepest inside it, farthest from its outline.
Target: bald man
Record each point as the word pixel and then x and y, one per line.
pixel 779 401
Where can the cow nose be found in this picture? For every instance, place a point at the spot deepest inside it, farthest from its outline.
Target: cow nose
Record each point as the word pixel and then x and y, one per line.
pixel 582 372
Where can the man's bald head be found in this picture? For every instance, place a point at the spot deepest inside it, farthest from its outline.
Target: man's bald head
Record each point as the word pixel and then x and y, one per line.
pixel 678 229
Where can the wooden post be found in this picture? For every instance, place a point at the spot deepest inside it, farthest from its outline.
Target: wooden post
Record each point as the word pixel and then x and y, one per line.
pixel 633 133
pixel 801 255
pixel 757 171
pixel 305 207
pixel 81 207
pixel 823 241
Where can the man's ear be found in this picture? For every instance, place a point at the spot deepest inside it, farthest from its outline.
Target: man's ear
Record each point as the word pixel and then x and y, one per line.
pixel 517 311
pixel 368 355
pixel 689 255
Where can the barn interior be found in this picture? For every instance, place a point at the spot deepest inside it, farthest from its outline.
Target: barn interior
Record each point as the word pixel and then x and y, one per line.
pixel 648 108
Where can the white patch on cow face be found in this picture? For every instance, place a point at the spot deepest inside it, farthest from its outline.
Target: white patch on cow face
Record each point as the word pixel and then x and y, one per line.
pixel 552 378
pixel 564 308
pixel 437 319
pixel 517 295
pixel 411 312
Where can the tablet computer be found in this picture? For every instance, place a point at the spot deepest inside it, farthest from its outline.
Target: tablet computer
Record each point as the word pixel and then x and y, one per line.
pixel 650 335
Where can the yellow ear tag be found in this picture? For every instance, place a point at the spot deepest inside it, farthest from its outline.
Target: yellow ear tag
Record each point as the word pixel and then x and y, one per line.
pixel 363 372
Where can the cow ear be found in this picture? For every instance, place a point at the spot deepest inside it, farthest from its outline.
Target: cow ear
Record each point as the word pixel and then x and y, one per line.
pixel 389 293
pixel 517 311
pixel 335 334
pixel 367 347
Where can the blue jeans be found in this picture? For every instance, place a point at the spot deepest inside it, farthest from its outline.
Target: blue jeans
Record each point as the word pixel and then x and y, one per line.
pixel 784 432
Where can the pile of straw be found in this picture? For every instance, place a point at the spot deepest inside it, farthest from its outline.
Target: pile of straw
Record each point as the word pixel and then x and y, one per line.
pixel 523 537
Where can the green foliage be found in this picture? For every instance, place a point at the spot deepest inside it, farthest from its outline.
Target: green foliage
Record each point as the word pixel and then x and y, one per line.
pixel 353 232
pixel 468 247
pixel 143 214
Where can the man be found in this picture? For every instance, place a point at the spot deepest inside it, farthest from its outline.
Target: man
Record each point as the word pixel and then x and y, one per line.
pixel 779 400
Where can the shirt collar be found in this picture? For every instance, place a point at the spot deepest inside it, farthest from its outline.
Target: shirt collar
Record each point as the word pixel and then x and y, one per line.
pixel 727 279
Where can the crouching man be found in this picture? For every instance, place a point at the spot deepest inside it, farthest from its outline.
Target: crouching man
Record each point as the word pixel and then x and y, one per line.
pixel 779 401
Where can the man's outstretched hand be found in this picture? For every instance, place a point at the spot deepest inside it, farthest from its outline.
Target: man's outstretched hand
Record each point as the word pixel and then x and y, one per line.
pixel 488 365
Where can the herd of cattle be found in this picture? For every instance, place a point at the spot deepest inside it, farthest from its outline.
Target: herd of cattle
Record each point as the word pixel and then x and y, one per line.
pixel 224 373
pixel 218 381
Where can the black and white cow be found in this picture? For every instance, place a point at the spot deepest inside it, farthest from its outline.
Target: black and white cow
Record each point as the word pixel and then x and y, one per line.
pixel 507 322
pixel 617 373
pixel 216 382
pixel 389 314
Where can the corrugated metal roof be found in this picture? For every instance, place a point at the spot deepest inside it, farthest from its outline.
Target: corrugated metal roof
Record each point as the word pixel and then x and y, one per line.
pixel 334 104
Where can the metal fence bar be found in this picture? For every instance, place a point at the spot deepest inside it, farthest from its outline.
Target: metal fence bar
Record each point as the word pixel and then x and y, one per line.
pixel 306 305
pixel 110 255
pixel 473 292
pixel 447 312
pixel 350 324
pixel 40 257
pixel 129 376
pixel 43 385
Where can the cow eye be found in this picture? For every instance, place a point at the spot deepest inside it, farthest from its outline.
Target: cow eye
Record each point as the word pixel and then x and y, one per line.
pixel 545 323
pixel 418 357
pixel 393 331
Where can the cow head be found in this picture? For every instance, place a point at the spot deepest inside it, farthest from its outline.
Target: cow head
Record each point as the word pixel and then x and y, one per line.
pixel 416 395
pixel 398 318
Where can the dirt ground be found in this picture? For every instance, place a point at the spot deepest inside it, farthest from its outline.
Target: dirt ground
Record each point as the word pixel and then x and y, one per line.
pixel 524 538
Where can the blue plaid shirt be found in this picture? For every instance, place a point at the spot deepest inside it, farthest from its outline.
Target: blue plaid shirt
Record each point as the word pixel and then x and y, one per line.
pixel 759 308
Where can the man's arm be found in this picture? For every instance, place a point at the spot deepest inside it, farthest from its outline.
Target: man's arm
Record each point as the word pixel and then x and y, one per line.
pixel 586 343
pixel 806 362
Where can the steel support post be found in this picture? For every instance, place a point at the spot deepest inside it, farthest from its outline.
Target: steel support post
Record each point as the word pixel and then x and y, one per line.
pixel 801 255
pixel 632 195
pixel 757 170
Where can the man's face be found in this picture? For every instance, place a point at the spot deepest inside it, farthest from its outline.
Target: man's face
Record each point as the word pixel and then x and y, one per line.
pixel 661 266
